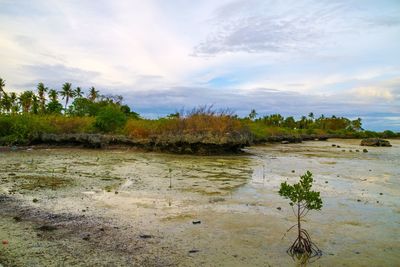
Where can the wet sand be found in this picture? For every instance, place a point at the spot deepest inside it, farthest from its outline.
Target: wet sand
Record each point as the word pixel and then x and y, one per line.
pixel 121 207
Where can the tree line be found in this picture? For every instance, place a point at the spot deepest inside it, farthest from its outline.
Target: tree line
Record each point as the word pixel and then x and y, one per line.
pixel 48 101
pixel 308 122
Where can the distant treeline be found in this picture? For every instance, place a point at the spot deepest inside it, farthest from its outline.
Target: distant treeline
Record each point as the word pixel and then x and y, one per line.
pixel 26 115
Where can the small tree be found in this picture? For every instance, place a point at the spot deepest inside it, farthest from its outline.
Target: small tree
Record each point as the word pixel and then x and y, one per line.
pixel 110 118
pixel 304 199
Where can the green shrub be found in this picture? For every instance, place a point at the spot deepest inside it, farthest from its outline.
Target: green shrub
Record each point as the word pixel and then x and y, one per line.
pixel 6 124
pixel 110 119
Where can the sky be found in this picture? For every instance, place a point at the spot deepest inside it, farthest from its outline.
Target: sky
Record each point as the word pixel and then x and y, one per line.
pixel 336 57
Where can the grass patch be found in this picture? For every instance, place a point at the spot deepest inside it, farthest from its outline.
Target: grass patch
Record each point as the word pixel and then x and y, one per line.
pixel 35 182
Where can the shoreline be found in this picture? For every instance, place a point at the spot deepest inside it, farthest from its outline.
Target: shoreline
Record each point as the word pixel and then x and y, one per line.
pixel 191 145
pixel 175 145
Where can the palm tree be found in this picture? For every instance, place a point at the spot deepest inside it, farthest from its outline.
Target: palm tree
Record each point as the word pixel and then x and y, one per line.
pixel 35 104
pixel 67 93
pixel 25 100
pixel 93 94
pixel 2 85
pixel 42 97
pixel 53 95
pixel 6 103
pixel 14 103
pixel 78 92
pixel 53 107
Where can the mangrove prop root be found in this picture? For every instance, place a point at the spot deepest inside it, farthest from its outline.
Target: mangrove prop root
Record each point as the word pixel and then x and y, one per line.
pixel 304 247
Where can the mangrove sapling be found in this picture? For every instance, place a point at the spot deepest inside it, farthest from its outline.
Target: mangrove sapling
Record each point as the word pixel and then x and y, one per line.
pixel 304 200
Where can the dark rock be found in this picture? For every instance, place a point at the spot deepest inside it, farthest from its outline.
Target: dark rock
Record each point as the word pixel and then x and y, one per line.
pixel 196 222
pixel 375 142
pixel 293 171
pixel 358 200
pixel 381 194
pixel 86 237
pixel 333 145
pixel 338 146
pixel 279 208
pixel 35 200
pixel 145 236
pixel 47 228
pixel 365 150
pixel 193 251
pixel 17 218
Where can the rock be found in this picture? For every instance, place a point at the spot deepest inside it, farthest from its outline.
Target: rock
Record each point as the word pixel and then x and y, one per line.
pixel 196 222
pixel 279 208
pixel 194 251
pixel 86 237
pixel 144 236
pixel 365 150
pixel 293 171
pixel 375 142
pixel 338 146
pixel 35 200
pixel 333 145
pixel 17 218
pixel 47 228
pixel 381 194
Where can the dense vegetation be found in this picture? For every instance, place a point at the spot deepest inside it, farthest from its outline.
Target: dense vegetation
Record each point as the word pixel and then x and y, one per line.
pixel 26 115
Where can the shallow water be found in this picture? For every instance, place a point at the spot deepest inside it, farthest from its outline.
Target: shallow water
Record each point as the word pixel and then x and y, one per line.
pixel 234 197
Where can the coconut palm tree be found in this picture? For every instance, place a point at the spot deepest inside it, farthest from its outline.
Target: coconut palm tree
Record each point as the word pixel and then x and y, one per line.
pixel 93 94
pixel 42 97
pixel 53 107
pixel 14 103
pixel 78 92
pixel 53 95
pixel 35 104
pixel 26 99
pixel 2 85
pixel 6 103
pixel 67 93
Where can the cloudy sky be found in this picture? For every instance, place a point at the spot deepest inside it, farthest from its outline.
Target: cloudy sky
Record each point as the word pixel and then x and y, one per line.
pixel 289 57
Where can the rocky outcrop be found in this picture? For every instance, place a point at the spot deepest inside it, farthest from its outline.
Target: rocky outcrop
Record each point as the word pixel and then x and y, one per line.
pixel 375 142
pixel 289 139
pixel 206 144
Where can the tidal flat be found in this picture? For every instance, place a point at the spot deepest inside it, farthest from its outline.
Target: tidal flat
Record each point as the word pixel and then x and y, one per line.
pixel 120 207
